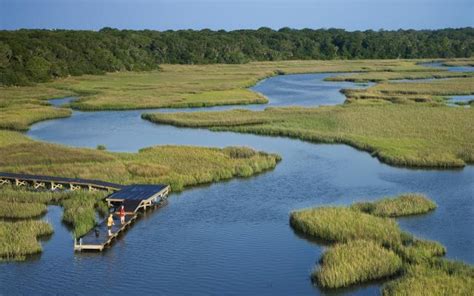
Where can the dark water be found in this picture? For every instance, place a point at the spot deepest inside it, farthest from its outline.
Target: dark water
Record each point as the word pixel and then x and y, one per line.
pixel 233 238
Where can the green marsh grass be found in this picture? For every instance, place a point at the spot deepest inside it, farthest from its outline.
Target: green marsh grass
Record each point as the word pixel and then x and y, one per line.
pixel 410 92
pixel 18 210
pixel 368 247
pixel 402 205
pixel 391 75
pixel 20 239
pixel 22 106
pixel 200 85
pixel 80 207
pixel 191 86
pixel 175 86
pixel 20 204
pixel 459 62
pixel 355 262
pixel 437 278
pixel 14 194
pixel 80 210
pixel 179 166
pixel 340 225
pixel 402 135
pixel 414 250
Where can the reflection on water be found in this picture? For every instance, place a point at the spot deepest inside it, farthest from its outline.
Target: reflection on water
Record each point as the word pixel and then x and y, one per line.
pixel 233 238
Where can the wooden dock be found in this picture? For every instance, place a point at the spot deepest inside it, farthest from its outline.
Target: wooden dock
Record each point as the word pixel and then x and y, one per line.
pixel 98 238
pixel 134 198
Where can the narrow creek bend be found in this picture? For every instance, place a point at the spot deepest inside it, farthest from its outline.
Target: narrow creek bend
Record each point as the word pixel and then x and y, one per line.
pixel 233 237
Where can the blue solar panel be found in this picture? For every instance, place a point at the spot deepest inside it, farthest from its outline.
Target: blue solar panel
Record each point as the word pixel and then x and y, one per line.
pixel 137 192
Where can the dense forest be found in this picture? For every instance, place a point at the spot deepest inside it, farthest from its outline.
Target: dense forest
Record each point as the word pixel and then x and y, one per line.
pixel 38 55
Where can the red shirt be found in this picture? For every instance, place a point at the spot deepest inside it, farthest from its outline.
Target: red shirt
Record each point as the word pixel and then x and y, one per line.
pixel 122 212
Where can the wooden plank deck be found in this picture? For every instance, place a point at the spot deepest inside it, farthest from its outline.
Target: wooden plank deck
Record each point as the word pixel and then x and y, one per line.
pixel 98 238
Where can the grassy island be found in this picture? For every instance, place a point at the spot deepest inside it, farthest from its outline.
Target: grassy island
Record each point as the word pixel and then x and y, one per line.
pixel 398 134
pixel 403 205
pixel 368 247
pixel 337 224
pixel 179 166
pixel 354 262
pixel 20 239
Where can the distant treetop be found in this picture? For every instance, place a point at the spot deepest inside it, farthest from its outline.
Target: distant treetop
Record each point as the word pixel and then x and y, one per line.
pixel 39 55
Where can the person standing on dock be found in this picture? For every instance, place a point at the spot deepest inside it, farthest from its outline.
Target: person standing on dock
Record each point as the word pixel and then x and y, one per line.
pixel 110 223
pixel 122 214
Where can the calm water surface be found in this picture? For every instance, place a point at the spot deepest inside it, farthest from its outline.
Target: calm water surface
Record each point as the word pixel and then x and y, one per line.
pixel 233 238
pixel 461 99
pixel 452 69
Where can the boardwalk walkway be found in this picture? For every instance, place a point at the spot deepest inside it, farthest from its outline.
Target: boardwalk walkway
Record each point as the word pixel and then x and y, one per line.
pixel 133 197
pixel 52 182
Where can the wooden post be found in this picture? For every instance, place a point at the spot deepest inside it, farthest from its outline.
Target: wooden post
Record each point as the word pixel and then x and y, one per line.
pixel 19 182
pixel 73 187
pixel 55 186
pixel 4 181
pixel 37 184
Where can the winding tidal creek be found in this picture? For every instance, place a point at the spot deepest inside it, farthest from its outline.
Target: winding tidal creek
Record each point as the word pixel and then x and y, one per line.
pixel 233 238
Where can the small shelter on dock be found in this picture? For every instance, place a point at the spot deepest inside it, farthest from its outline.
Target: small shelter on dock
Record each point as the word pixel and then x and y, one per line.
pixel 135 197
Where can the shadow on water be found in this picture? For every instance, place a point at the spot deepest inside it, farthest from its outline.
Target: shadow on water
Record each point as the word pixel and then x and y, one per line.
pixel 233 237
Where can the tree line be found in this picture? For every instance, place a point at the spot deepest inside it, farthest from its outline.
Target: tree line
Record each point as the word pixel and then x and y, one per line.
pixel 28 56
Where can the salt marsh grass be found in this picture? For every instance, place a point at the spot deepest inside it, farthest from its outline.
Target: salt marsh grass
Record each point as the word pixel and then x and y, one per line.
pixel 175 86
pixel 402 205
pixel 355 262
pixel 20 239
pixel 440 277
pixel 402 135
pixel 368 247
pixel 391 75
pixel 17 210
pixel 179 166
pixel 80 210
pixel 339 224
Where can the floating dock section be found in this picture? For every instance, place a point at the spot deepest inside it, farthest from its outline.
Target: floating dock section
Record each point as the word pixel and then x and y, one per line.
pixel 134 198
